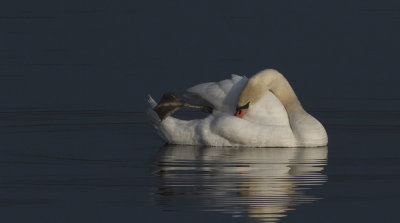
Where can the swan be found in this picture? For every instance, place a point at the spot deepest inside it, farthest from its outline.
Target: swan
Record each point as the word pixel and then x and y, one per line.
pixel 262 111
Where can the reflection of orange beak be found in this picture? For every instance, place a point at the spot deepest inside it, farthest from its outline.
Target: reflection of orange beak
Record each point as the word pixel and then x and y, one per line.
pixel 240 112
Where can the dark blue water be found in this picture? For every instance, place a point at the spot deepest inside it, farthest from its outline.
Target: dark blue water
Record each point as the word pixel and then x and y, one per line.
pixel 79 166
pixel 75 145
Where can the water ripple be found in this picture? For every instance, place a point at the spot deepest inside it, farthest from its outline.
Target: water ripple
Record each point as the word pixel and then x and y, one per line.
pixel 260 183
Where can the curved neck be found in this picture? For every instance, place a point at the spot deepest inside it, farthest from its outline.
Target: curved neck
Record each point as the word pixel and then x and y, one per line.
pixel 275 82
pixel 281 88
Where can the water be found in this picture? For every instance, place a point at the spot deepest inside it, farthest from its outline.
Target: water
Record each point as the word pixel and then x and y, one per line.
pixel 75 145
pixel 258 183
pixel 80 166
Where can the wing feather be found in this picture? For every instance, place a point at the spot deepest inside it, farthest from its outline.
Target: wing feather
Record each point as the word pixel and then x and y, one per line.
pixel 222 95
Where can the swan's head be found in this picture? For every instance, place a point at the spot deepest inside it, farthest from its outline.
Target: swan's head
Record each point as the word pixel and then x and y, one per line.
pixel 253 91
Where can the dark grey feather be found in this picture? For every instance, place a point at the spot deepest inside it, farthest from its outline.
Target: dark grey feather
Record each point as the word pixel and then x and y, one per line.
pixel 171 102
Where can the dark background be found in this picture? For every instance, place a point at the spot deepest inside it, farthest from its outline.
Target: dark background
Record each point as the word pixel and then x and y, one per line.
pixel 75 145
pixel 111 54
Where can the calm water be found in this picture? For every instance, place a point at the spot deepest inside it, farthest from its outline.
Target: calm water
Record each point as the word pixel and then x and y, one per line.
pixel 99 166
pixel 75 145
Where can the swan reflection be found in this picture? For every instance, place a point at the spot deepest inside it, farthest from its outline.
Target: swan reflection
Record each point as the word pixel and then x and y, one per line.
pixel 261 183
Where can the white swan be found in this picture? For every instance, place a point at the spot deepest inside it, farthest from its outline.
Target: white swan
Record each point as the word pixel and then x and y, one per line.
pixel 268 114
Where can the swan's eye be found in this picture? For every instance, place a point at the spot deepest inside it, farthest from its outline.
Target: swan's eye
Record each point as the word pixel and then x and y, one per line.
pixel 240 111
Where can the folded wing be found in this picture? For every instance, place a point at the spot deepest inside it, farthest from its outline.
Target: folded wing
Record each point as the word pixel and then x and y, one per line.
pixel 222 95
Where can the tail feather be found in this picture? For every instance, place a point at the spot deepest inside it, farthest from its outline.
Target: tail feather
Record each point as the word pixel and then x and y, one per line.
pixel 151 101
pixel 155 120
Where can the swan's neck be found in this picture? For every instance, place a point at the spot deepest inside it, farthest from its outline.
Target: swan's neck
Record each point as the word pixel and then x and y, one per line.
pixel 271 80
pixel 307 130
pixel 281 88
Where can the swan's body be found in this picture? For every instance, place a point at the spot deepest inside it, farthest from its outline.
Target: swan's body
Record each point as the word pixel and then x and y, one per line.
pixel 274 118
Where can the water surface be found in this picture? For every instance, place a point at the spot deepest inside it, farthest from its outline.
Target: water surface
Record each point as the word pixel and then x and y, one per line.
pixel 75 145
pixel 107 166
pixel 259 183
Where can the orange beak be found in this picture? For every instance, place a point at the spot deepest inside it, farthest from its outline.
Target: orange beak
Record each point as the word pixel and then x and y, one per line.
pixel 240 112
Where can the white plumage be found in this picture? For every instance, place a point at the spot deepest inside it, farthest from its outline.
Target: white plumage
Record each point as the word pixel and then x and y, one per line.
pixel 275 117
